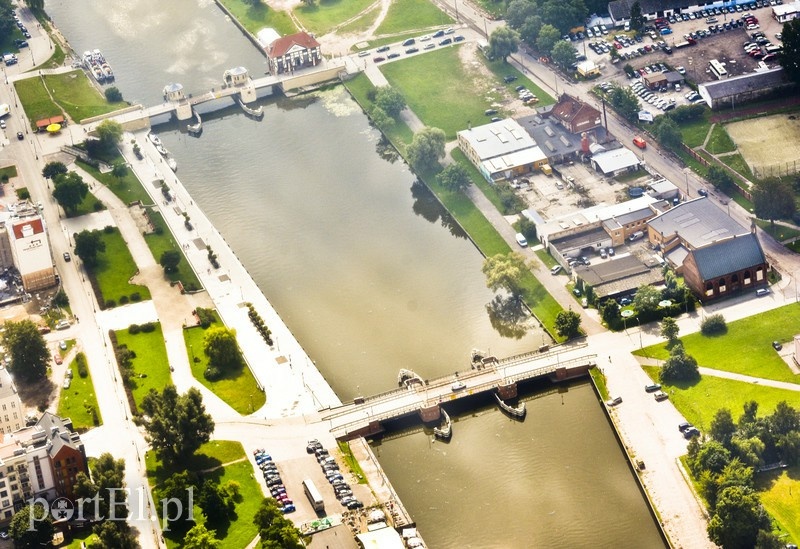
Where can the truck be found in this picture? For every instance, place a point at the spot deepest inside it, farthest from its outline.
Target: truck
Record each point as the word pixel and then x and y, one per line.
pixel 639 142
pixel 4 110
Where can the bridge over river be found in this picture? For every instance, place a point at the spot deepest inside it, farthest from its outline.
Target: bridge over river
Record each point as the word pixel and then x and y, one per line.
pixel 364 416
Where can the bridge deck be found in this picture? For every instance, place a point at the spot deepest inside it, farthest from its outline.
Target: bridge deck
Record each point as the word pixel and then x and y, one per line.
pixel 397 403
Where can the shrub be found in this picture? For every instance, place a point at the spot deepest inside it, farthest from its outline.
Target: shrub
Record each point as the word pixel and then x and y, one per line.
pixel 206 316
pixel 134 329
pixel 123 300
pixel 80 360
pixel 713 325
pixel 98 206
pixel 148 327
pixel 136 297
pixel 108 229
pixel 212 374
pixel 110 304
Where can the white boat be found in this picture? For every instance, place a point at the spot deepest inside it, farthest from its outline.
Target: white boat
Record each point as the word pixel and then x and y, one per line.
pixel 173 165
pixel 161 150
pixel 154 139
pixel 445 431
pixel 408 377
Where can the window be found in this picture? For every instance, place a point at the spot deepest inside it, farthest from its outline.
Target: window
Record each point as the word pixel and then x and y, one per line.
pixel 722 285
pixel 4 494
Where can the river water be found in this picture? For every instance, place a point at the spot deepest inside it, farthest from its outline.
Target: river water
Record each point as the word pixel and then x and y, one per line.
pixel 371 276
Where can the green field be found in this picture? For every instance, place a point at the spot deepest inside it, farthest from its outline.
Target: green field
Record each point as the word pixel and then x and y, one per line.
pixel 77 96
pixel 8 172
pixel 161 241
pixel 151 366
pixel 699 402
pixel 237 389
pixel 720 141
pixel 409 15
pixel 35 100
pixel 128 189
pixel 451 100
pixel 114 269
pixel 776 489
pixel 694 133
pixel 736 161
pixel 73 401
pixel 778 232
pixel 324 15
pixel 746 348
pixel 241 531
pixel 254 16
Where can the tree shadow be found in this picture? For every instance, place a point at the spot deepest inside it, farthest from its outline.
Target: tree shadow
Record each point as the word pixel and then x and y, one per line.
pixel 427 206
pixel 508 317
pixel 37 394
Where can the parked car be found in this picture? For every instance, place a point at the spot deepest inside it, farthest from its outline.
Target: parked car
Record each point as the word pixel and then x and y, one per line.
pixel 660 395
pixel 652 388
pixel 691 432
pixel 777 345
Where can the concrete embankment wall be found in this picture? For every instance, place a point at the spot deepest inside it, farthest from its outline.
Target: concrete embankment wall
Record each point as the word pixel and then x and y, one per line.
pixel 634 470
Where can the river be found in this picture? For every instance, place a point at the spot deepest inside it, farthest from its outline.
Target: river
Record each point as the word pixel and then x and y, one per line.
pixel 371 276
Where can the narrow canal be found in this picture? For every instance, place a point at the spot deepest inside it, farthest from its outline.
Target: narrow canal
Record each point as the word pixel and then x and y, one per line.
pixel 371 276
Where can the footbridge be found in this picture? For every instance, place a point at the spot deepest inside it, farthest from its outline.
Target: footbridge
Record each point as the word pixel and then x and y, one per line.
pixel 365 415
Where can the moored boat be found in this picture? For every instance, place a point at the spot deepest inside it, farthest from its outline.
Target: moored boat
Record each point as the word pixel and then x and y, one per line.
pixel 173 165
pixel 408 377
pixel 446 430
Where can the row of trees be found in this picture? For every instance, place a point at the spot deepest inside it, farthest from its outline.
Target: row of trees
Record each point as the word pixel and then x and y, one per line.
pixel 725 465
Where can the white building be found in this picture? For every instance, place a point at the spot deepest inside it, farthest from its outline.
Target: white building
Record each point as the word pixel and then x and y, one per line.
pixel 786 12
pixel 30 249
pixel 11 414
pixel 501 150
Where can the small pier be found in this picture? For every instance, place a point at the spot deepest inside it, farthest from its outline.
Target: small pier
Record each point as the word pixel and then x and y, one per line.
pixel 365 415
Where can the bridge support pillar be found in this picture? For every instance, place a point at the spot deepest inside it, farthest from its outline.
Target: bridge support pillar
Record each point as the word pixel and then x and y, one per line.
pixel 184 111
pixel 507 391
pixel 431 413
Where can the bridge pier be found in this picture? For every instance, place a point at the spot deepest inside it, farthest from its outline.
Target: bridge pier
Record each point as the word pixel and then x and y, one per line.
pixel 507 392
pixel 431 413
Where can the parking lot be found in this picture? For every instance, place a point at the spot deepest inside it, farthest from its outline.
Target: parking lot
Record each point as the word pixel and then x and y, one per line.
pixel 724 45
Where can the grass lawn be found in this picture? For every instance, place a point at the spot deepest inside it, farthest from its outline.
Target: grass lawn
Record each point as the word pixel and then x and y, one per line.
pixel 720 141
pixel 81 539
pixel 238 389
pixel 77 96
pixel 746 348
pixel 599 379
pixel 114 269
pixel 8 172
pixel 547 260
pixel 699 402
pixel 254 16
pixel 35 100
pixel 694 133
pixel 89 204
pixel 776 489
pixel 241 531
pixel 56 60
pixel 324 15
pixel 501 69
pixel 405 15
pixel 162 241
pixel 742 201
pixel 736 161
pixel 362 23
pixel 74 400
pixel 128 189
pixel 489 190
pixel 778 232
pixel 151 367
pixel 449 101
pixel 399 134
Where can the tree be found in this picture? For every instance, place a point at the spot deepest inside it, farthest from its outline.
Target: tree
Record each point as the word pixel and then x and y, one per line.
pixel 518 11
pixel 70 190
pixel 198 537
pixel 276 531
pixel 219 345
pixel 505 271
pixel 548 36
pixel 788 447
pixel 170 260
pixel 737 519
pixel 564 54
pixel 789 57
pixel 625 102
pixel 28 350
pixel 647 299
pixel 36 5
pixel 87 245
pixel 637 19
pixel 176 425
pixel 784 419
pixel 114 534
pixel 668 133
pixel 390 100
pixel 454 177
pixel 31 538
pixel 113 95
pixel 216 503
pixel 568 324
pixel 712 456
pixel 426 149
pixel 530 29
pixel 610 312
pixel 713 325
pixel 670 329
pixel 176 489
pixel 503 42
pixel 679 366
pixel 773 199
pixel 722 427
pixel 52 169
pixel 380 118
pixel 720 178
pixel 110 133
pixel 119 169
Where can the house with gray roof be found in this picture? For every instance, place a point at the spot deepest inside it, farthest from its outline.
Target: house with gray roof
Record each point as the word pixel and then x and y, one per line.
pixel 716 255
pixel 738 90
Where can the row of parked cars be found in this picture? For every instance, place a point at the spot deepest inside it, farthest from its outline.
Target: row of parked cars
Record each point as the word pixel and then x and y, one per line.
pixel 411 47
pixel 273 479
pixel 651 97
pixel 760 47
pixel 331 471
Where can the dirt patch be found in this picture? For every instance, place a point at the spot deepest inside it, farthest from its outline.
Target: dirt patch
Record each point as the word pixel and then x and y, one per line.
pixel 768 144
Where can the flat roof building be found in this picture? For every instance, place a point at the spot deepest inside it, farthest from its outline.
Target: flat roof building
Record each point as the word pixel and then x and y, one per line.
pixel 501 149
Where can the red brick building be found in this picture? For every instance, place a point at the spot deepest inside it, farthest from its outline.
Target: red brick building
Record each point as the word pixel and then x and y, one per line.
pixel 292 52
pixel 575 115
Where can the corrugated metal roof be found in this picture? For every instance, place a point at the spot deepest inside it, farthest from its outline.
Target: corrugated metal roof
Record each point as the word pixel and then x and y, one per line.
pixel 750 82
pixel 729 256
pixel 698 222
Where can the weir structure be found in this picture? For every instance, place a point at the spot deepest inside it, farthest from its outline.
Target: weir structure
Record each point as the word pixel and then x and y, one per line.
pixel 365 416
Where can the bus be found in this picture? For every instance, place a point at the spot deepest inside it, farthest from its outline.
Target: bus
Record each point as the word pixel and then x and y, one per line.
pixel 717 69
pixel 313 495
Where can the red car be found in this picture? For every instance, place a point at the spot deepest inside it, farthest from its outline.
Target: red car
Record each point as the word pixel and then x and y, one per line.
pixel 57 358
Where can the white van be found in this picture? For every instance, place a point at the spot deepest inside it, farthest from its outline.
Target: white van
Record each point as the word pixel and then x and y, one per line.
pixel 521 240
pixel 555 270
pixel 636 236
